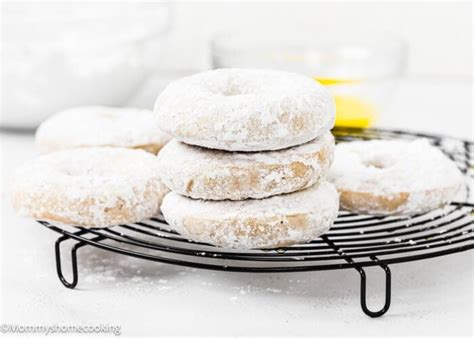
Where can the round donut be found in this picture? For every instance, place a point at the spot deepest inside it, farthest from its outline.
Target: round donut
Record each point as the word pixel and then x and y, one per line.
pixel 90 187
pixel 267 223
pixel 245 109
pixel 218 175
pixel 385 177
pixel 99 126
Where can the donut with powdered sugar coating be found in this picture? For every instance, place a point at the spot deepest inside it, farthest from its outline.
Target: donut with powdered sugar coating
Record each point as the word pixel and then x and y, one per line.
pixel 245 109
pixel 89 187
pixel 385 177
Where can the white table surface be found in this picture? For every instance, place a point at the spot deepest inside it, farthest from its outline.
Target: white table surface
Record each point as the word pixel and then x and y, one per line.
pixel 430 297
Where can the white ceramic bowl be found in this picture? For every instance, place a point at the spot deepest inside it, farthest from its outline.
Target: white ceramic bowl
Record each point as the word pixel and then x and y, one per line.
pixel 59 55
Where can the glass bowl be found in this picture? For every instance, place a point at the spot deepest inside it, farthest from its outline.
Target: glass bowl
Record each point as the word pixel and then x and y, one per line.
pixel 360 69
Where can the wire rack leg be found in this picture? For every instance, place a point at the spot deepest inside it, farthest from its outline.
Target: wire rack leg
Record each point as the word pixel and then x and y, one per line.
pixel 363 281
pixel 57 250
pixel 363 291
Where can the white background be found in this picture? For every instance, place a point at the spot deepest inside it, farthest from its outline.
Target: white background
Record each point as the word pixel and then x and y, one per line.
pixel 439 34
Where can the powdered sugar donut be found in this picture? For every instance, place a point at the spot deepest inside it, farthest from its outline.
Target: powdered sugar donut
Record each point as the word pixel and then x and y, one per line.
pixel 267 223
pixel 393 176
pixel 101 126
pixel 245 109
pixel 90 187
pixel 217 175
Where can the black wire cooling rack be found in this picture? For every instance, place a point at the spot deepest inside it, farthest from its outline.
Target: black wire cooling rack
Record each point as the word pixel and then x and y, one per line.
pixel 354 241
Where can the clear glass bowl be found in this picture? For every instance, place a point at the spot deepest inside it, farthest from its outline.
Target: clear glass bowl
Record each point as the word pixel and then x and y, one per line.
pixel 59 55
pixel 359 68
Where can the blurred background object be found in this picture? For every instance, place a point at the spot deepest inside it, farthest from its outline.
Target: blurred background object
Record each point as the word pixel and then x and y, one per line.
pixel 62 54
pixel 57 55
pixel 438 33
pixel 360 69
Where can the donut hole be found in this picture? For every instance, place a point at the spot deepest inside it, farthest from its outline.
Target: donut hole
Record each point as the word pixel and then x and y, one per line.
pixel 378 162
pixel 100 166
pixel 107 115
pixel 77 171
pixel 233 86
pixel 375 164
pixel 232 91
pixel 70 171
pixel 228 91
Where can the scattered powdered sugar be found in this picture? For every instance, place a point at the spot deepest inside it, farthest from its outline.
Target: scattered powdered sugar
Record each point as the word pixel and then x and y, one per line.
pixel 90 186
pixel 216 175
pixel 245 109
pixel 388 168
pixel 272 222
pixel 100 126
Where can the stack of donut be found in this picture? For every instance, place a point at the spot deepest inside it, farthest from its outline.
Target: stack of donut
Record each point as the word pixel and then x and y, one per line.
pixel 248 163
